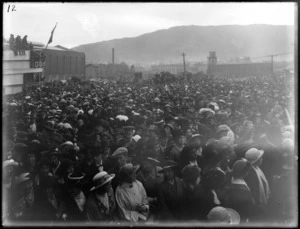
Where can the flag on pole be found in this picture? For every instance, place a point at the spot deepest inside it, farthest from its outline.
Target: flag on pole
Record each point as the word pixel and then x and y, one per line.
pixel 50 40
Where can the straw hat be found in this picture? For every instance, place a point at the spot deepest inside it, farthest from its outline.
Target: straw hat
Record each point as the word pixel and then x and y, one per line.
pixel 100 179
pixel 223 215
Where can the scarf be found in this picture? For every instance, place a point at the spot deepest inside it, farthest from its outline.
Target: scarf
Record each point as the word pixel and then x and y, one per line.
pixel 80 201
pixel 264 191
pixel 104 200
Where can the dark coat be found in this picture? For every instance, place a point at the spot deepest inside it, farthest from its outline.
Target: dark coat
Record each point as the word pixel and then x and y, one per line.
pixel 96 211
pixel 170 198
pixel 239 198
pixel 72 209
pixel 253 184
pixel 195 203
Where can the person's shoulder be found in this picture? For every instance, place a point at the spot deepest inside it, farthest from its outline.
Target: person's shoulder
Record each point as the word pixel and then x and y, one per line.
pixel 139 183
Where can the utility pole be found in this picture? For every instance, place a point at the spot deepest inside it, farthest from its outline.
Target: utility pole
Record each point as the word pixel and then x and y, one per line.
pixel 184 73
pixel 272 64
pixel 113 56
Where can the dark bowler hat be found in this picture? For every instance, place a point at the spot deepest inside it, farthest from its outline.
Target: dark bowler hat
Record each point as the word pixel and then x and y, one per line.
pixel 75 178
pixel 241 168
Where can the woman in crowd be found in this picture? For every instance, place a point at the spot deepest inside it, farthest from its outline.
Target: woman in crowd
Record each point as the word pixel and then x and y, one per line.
pixel 105 140
pixel 131 197
pixel 101 203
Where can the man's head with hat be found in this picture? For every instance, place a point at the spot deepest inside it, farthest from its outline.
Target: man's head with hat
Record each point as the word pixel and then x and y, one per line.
pixel 197 140
pixel 240 169
pixel 120 156
pixel 148 165
pixel 128 131
pixel 168 170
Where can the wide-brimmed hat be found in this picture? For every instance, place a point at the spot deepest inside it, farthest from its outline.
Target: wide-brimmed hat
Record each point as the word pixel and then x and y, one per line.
pixel 101 179
pixel 253 155
pixel 223 215
pixel 168 164
pixel 75 178
pixel 10 162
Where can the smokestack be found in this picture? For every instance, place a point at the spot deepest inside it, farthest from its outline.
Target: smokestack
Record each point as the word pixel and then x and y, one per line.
pixel 113 55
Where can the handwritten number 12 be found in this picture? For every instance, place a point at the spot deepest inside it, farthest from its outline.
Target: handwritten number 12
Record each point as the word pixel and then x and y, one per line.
pixel 13 8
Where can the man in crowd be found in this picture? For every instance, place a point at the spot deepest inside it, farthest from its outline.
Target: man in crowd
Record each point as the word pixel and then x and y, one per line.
pixel 99 120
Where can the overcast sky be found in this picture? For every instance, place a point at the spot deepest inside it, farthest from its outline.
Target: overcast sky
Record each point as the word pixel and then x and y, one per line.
pixel 82 23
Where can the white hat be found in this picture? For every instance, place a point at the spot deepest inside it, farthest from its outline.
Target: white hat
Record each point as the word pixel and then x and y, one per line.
pixel 101 179
pixel 254 155
pixel 223 215
pixel 10 162
pixel 67 126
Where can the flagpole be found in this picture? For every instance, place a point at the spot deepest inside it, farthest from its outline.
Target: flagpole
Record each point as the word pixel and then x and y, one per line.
pixel 49 41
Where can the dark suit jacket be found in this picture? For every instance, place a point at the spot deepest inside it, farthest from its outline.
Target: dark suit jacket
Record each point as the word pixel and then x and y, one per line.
pixel 239 198
pixel 72 209
pixel 170 200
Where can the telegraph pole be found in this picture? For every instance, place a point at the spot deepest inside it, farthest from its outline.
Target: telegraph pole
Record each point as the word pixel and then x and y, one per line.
pixel 113 56
pixel 183 56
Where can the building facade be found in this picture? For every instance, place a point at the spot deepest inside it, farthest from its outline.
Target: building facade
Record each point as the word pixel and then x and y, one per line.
pixel 20 70
pixel 62 63
pixel 238 70
pixel 107 71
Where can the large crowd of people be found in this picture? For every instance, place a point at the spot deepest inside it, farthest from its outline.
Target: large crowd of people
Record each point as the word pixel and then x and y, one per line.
pixel 157 150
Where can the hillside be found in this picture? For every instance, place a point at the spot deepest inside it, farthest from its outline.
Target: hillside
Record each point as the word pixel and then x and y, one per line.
pixel 196 41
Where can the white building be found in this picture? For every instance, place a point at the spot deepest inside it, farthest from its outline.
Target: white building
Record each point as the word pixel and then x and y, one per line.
pixel 18 70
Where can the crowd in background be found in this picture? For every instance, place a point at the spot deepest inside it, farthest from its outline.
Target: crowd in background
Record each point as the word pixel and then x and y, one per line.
pixel 157 150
